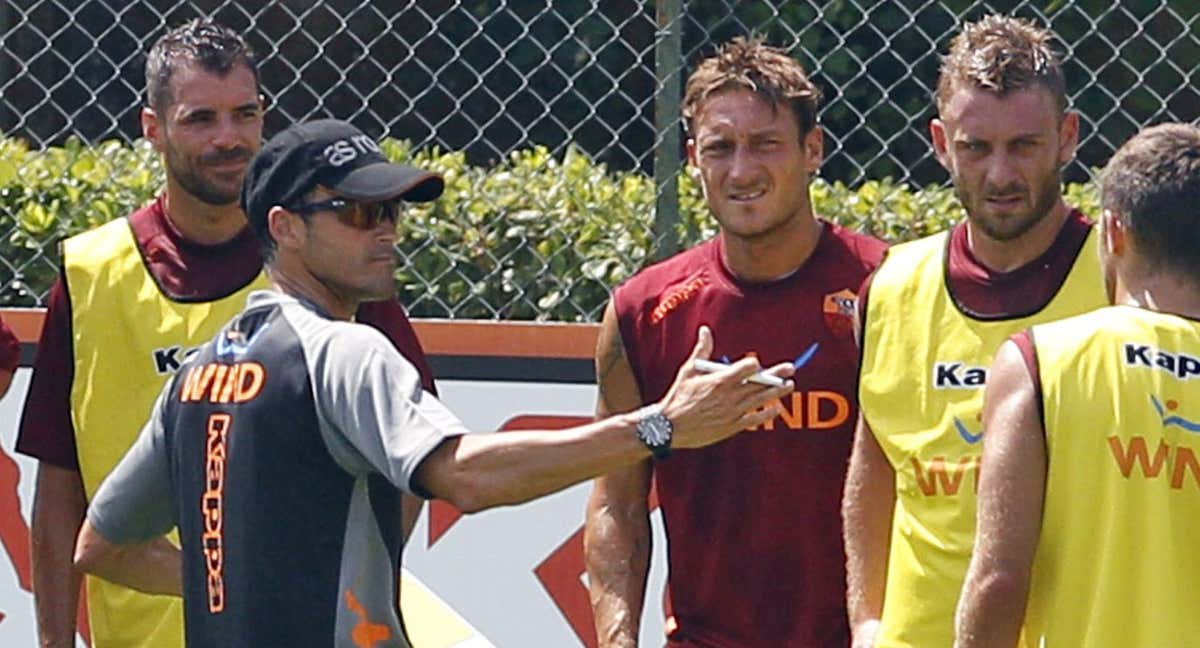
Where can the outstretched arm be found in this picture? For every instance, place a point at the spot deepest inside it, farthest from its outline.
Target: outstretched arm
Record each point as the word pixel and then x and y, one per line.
pixel 478 471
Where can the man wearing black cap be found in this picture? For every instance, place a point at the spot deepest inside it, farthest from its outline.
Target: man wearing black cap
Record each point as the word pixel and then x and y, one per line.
pixel 281 447
pixel 134 298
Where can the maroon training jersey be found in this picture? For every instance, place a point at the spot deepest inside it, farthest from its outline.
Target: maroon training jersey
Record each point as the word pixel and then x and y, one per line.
pixel 185 271
pixel 754 523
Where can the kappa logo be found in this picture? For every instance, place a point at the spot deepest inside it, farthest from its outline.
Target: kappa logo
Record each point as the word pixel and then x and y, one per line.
pixel 1180 365
pixel 956 375
pixel 1173 419
pixel 347 150
pixel 677 296
pixel 168 360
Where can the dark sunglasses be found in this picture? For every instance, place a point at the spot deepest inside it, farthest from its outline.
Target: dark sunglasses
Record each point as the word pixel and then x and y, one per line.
pixel 354 213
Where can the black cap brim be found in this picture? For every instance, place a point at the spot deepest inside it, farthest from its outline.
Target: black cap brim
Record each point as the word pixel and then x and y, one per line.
pixel 386 181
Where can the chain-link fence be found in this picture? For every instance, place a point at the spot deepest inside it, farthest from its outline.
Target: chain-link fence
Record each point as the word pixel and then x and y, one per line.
pixel 490 77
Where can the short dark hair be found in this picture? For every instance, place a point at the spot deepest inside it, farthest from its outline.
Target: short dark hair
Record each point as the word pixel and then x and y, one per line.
pixel 1002 54
pixel 750 64
pixel 1152 185
pixel 215 48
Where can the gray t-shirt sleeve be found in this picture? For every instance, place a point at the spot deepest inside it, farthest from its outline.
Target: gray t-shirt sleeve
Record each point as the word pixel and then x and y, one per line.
pixel 375 417
pixel 134 503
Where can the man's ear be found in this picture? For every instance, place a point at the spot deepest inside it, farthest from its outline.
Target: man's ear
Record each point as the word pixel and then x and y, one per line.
pixel 286 228
pixel 814 148
pixel 941 145
pixel 151 128
pixel 1116 235
pixel 1068 138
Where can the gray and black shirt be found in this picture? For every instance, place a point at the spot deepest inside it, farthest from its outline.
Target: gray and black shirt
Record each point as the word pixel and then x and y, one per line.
pixel 280 450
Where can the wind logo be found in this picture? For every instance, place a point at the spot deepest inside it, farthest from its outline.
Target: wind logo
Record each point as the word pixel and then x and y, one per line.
pixel 1133 457
pixel 1173 419
pixel 945 476
pixel 965 432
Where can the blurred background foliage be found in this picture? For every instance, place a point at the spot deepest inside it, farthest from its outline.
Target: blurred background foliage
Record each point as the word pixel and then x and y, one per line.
pixel 537 236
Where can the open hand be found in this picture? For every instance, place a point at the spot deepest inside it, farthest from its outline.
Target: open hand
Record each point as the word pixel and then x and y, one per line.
pixel 708 407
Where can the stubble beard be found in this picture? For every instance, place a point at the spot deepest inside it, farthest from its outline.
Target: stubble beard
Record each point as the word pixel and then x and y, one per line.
pixel 788 215
pixel 1012 227
pixel 193 181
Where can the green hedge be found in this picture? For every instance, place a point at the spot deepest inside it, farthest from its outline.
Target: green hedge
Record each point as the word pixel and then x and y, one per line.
pixel 535 237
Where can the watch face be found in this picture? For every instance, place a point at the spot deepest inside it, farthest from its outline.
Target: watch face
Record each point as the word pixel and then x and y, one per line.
pixel 655 430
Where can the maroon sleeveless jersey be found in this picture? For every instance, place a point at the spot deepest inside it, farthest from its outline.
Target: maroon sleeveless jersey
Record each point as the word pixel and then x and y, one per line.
pixel 754 523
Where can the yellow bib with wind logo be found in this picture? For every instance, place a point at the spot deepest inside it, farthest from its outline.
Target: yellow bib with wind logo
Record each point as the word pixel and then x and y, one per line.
pixel 924 367
pixel 1116 562
pixel 128 339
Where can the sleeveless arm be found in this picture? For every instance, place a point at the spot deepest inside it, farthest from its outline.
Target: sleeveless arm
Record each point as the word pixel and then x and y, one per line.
pixel 617 541
pixel 1011 491
pixel 867 506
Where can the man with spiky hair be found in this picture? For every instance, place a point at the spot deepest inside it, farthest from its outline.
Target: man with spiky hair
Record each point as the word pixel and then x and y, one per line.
pixel 753 522
pixel 133 299
pixel 934 313
pixel 1089 507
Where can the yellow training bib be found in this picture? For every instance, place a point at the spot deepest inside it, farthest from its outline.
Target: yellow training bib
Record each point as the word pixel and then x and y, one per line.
pixel 1116 562
pixel 923 371
pixel 128 339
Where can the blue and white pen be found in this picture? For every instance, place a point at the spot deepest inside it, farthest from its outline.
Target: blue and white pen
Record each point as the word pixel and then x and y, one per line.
pixel 761 378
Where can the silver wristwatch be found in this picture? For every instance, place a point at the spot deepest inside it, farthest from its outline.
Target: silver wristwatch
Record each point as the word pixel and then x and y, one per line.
pixel 654 429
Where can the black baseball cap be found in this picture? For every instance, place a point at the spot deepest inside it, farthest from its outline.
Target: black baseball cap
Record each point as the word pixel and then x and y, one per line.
pixel 334 154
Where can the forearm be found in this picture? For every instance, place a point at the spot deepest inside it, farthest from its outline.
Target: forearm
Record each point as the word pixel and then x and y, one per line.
pixel 992 607
pixel 867 508
pixel 867 535
pixel 617 546
pixel 58 507
pixel 152 567
pixel 485 470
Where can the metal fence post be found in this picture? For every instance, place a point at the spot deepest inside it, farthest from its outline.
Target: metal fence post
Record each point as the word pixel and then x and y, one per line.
pixel 668 64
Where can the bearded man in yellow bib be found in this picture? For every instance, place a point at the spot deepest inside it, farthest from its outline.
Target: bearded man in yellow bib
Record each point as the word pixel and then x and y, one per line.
pixel 135 297
pixel 933 315
pixel 1089 507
